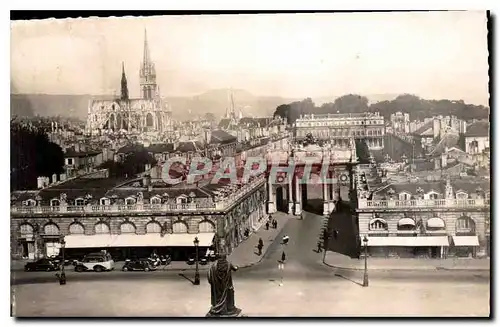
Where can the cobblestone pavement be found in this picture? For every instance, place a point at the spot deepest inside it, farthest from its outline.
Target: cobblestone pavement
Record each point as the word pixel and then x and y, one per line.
pixel 259 297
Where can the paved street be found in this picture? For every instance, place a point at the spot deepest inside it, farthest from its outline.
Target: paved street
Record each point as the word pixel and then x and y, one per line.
pixel 309 288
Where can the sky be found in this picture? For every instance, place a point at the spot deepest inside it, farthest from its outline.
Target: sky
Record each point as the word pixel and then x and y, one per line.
pixel 435 55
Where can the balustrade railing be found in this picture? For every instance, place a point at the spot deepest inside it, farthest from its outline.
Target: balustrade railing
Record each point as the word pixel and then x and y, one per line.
pixel 218 203
pixel 440 203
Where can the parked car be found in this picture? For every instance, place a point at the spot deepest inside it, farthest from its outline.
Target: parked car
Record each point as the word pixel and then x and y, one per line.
pixel 141 265
pixel 202 260
pixel 95 262
pixel 41 265
pixel 58 259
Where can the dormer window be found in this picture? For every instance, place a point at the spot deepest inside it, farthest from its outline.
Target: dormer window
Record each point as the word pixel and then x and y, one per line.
pixel 79 202
pixel 433 195
pixel 55 203
pixel 182 199
pixel 403 196
pixel 155 200
pixel 105 201
pixel 130 201
pixel 462 195
pixel 30 203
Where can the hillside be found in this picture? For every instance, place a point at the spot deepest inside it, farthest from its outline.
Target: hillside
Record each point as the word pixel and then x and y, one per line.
pixel 215 101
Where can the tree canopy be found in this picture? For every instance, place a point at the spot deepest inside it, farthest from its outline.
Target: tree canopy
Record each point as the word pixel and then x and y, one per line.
pixel 32 155
pixel 417 108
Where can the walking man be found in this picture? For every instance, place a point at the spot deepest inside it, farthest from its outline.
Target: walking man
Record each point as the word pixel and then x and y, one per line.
pixel 260 246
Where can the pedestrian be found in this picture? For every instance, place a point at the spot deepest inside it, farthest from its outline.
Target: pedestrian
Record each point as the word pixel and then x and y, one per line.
pixel 283 257
pixel 286 239
pixel 275 223
pixel 260 246
pixel 319 246
pixel 267 225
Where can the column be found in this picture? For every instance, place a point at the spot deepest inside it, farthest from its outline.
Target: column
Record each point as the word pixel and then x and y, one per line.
pixel 271 198
pixel 298 197
pixel 331 198
pixel 290 194
pixel 325 201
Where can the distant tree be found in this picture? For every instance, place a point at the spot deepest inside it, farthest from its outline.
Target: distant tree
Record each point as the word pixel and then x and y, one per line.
pixel 417 108
pixel 209 117
pixel 32 155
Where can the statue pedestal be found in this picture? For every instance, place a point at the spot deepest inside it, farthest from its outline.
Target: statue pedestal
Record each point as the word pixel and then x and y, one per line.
pixel 235 314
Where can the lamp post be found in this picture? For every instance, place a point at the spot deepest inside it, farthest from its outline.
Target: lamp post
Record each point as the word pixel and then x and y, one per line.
pixel 62 278
pixel 365 276
pixel 197 273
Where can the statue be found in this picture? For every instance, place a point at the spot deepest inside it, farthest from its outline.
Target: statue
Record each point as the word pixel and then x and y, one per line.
pixel 222 291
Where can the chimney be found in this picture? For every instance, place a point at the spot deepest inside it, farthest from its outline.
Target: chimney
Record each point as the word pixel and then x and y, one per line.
pixel 77 147
pixel 436 127
pixel 62 177
pixel 40 182
pixel 54 178
pixel 147 167
pixel 444 160
pixel 146 180
pixel 437 164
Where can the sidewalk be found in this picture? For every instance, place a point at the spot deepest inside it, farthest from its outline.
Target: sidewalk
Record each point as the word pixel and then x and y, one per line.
pixel 245 254
pixel 339 261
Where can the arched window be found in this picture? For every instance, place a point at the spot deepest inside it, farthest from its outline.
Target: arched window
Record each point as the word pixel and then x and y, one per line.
pixel 465 225
pixel 206 226
pixel 153 227
pixel 179 227
pixel 462 195
pixel 55 202
pixel 26 230
pixel 104 202
pixel 378 224
pixel 149 120
pixel 76 228
pixel 30 203
pixel 101 228
pixel 51 229
pixel 127 228
pixel 130 201
pixel 406 224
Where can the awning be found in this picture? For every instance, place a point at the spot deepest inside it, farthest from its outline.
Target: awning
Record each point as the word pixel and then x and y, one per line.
pixel 465 241
pixel 134 240
pixel 435 223
pixel 406 221
pixel 407 241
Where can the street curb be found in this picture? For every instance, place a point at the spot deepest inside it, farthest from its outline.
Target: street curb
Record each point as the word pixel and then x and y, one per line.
pixel 407 269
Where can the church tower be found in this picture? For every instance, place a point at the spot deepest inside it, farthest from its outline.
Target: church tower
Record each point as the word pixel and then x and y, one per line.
pixel 147 73
pixel 124 93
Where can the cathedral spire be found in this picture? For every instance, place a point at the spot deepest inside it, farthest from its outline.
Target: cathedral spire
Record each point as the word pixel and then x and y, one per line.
pixel 124 93
pixel 145 57
pixel 147 73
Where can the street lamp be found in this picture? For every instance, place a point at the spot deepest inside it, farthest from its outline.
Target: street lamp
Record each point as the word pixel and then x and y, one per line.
pixel 197 273
pixel 365 276
pixel 62 277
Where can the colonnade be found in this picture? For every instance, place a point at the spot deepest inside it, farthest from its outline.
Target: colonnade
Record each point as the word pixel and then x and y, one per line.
pixel 294 192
